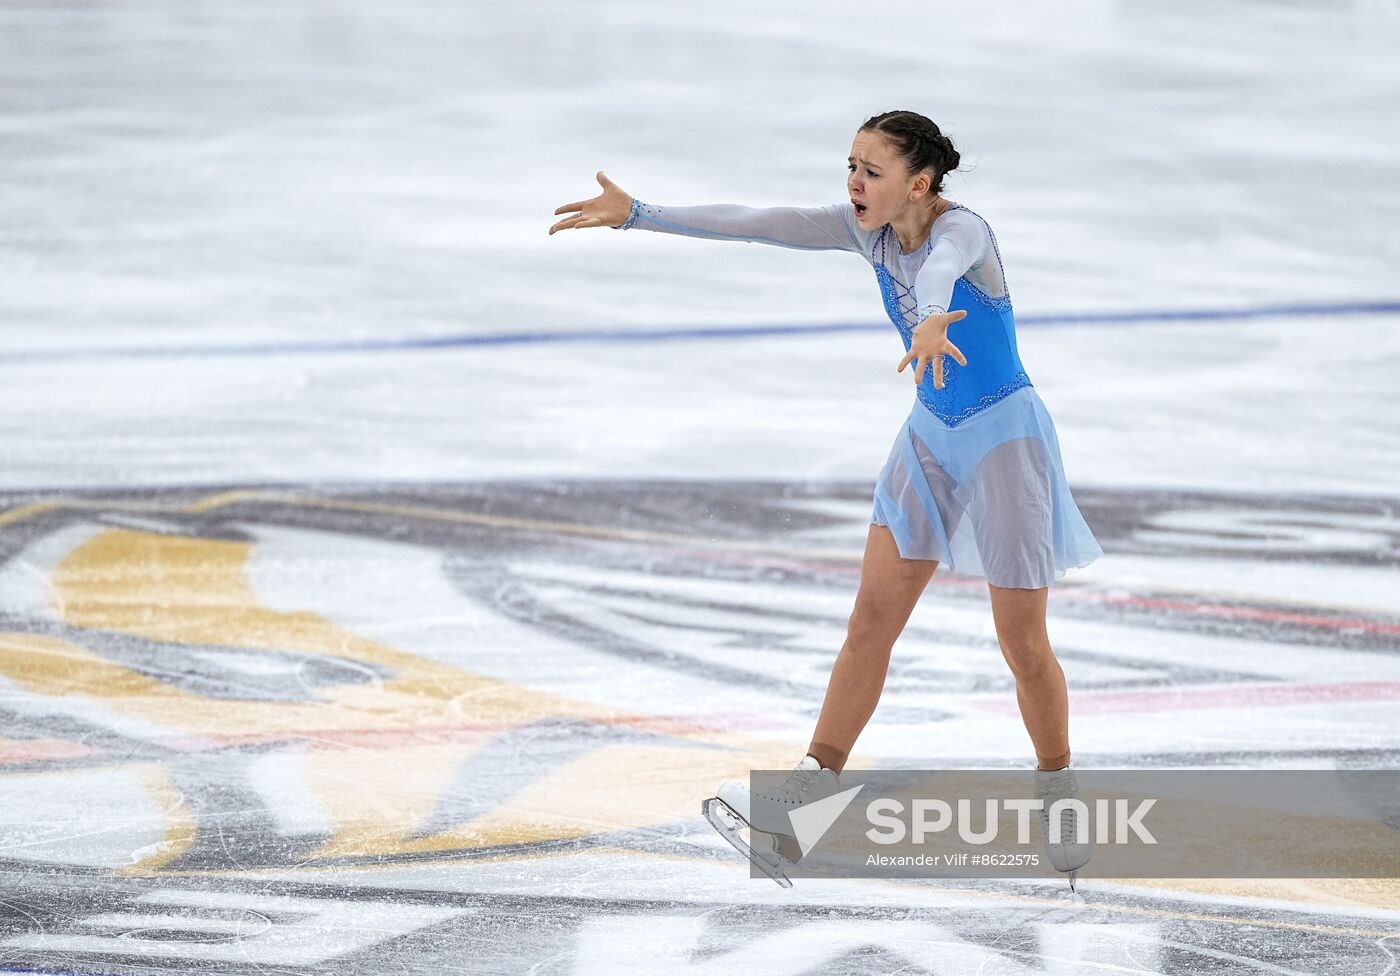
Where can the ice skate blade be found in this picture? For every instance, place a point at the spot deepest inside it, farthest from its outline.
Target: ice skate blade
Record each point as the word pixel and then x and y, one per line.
pixel 729 825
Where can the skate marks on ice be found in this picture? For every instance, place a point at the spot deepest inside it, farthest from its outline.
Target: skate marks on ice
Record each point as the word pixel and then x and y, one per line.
pixel 130 926
pixel 123 928
pixel 364 685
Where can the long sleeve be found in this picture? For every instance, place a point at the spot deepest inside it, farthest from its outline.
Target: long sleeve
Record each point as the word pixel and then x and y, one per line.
pixel 963 242
pixel 804 228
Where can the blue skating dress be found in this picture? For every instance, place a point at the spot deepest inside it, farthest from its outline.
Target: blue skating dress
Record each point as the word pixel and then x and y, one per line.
pixel 974 478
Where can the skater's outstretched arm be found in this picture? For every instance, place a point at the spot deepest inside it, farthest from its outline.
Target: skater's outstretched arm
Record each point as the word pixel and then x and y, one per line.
pixel 828 228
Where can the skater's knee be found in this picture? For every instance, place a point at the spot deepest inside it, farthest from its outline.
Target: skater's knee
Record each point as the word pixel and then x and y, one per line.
pixel 867 633
pixel 1029 659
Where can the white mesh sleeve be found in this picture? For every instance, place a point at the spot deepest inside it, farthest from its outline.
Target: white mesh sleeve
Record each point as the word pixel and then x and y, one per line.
pixel 963 243
pixel 805 228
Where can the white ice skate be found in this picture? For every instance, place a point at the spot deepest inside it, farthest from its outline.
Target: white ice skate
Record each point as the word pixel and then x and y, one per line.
pixel 772 845
pixel 1069 855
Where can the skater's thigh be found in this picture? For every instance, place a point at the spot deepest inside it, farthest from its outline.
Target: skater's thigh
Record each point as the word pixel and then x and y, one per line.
pixel 1013 518
pixel 943 488
pixel 890 586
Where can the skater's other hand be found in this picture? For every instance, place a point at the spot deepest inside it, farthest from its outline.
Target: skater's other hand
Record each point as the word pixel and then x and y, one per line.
pixel 608 209
pixel 930 343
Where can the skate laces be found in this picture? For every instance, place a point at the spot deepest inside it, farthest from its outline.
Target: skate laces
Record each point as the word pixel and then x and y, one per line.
pixel 798 787
pixel 1059 786
pixel 799 783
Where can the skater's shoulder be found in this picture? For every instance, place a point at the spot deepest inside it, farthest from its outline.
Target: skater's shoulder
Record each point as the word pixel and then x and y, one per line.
pixel 960 215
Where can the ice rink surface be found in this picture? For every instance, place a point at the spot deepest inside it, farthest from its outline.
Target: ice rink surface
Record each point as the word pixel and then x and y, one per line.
pixel 385 582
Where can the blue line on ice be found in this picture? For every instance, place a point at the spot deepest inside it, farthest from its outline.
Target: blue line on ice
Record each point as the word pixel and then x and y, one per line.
pixel 698 332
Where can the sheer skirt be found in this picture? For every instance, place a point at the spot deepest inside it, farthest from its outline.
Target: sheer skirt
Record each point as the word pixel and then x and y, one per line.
pixel 987 498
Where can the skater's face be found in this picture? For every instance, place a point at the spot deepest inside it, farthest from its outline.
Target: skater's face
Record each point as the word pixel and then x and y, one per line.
pixel 879 184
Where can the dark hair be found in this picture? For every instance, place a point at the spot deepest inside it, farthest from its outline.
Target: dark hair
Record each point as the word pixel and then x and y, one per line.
pixel 921 144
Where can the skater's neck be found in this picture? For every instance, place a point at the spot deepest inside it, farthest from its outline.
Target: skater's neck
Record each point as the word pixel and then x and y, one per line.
pixel 914 224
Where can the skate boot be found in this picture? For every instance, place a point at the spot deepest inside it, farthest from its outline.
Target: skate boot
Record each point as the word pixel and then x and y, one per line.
pixel 1069 855
pixel 773 846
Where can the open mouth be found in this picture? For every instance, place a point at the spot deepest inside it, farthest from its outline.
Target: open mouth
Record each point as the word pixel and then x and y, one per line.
pixel 860 209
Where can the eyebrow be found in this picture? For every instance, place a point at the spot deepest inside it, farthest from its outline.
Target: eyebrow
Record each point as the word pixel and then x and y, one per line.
pixel 852 159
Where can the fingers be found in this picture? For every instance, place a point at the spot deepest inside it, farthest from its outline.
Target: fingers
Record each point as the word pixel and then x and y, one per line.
pixel 604 182
pixel 570 208
pixel 957 316
pixel 568 223
pixel 577 223
pixel 922 361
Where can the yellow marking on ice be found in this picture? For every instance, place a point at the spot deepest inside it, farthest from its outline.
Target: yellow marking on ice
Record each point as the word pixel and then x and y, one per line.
pixel 614 787
pixel 408 784
pixel 185 590
pixel 180 827
pixel 1381 893
pixel 52 666
pixel 205 504
pixel 617 787
pixel 211 502
pixel 22 512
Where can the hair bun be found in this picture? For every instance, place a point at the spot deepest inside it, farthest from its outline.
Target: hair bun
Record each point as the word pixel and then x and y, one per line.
pixel 920 143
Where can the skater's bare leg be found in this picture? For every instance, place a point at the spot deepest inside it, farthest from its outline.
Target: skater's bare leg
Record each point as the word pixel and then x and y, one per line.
pixel 890 586
pixel 1019 616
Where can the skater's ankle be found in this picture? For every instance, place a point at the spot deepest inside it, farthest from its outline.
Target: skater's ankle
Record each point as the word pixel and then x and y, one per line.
pixel 829 757
pixel 1053 764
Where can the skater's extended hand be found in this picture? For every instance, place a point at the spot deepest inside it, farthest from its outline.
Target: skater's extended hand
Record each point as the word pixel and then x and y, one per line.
pixel 930 343
pixel 608 209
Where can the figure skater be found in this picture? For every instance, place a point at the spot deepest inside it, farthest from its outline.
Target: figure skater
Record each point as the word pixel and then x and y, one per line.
pixel 974 480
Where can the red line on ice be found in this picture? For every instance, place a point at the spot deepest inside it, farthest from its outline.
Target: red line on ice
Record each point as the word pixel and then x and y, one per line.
pixel 1241 613
pixel 1215 696
pixel 1198 607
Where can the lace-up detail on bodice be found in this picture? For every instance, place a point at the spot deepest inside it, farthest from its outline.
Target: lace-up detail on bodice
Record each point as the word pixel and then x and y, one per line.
pixel 986 338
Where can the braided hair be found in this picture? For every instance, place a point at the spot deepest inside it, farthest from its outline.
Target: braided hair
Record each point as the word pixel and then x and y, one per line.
pixel 919 141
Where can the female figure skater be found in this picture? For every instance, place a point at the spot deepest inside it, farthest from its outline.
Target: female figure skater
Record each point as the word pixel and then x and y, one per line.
pixel 974 479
